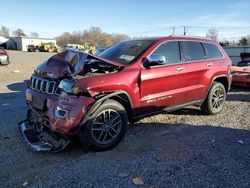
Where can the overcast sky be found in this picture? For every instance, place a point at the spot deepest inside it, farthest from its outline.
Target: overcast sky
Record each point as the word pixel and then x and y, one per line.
pixel 51 18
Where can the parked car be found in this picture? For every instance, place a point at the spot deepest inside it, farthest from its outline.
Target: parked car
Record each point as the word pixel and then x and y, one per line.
pixel 241 74
pixel 94 97
pixel 32 48
pixel 4 57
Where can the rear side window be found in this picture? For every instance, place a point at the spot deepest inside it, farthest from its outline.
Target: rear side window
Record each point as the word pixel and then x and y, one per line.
pixel 170 50
pixel 212 51
pixel 192 51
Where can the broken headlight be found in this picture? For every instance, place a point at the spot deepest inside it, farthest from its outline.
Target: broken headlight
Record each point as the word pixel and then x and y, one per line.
pixel 69 86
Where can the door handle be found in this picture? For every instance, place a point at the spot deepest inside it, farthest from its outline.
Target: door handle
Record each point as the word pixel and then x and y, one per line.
pixel 210 64
pixel 180 68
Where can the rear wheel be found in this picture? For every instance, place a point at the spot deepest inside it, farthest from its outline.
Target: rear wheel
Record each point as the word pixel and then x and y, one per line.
pixel 215 99
pixel 106 127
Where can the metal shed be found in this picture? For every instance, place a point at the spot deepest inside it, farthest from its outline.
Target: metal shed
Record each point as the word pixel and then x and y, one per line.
pixel 21 43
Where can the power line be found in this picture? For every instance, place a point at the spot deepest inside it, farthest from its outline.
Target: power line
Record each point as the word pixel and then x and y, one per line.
pixel 190 27
pixel 220 27
pixel 151 31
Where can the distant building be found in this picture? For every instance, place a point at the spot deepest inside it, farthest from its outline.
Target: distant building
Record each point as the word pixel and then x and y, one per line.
pixel 234 52
pixel 21 43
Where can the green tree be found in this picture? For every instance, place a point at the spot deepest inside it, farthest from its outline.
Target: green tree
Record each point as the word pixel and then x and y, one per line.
pixel 224 43
pixel 243 41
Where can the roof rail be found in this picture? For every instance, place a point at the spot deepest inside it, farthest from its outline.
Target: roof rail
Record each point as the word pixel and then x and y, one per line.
pixel 198 37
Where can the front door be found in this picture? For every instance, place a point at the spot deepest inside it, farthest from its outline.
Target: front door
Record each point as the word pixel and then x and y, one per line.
pixel 162 85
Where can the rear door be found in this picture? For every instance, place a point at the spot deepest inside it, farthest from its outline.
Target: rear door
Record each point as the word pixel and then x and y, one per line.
pixel 162 85
pixel 193 54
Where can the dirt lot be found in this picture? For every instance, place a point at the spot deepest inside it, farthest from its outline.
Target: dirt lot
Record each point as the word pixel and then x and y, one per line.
pixel 181 149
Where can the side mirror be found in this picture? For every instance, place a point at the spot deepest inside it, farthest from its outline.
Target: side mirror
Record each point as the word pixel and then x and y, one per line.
pixel 154 59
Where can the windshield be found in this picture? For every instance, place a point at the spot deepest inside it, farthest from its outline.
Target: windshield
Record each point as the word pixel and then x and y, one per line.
pixel 126 52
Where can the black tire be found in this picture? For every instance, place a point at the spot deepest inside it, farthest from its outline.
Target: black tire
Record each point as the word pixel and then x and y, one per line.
pixel 101 132
pixel 215 100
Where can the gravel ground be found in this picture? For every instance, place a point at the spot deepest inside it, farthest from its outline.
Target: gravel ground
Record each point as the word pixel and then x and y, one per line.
pixel 182 149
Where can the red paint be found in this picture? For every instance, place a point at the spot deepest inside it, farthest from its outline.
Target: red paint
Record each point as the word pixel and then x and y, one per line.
pixel 76 108
pixel 242 77
pixel 147 88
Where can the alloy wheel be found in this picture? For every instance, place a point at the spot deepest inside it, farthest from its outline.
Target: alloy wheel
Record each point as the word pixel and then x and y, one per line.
pixel 107 126
pixel 218 98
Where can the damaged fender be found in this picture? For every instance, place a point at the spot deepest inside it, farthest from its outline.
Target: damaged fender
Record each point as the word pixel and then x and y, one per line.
pixel 66 113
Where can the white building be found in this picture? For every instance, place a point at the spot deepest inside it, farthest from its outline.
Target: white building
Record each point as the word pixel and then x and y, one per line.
pixel 21 43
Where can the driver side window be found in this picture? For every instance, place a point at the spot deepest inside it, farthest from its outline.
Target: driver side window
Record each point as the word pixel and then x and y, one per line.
pixel 171 52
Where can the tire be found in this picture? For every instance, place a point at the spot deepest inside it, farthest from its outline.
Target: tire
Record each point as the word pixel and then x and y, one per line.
pixel 106 127
pixel 215 100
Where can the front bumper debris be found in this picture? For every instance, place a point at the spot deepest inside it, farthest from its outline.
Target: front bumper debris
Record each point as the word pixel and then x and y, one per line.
pixel 41 140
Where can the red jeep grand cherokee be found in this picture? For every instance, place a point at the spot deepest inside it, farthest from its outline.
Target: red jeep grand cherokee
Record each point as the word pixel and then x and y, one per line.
pixel 93 97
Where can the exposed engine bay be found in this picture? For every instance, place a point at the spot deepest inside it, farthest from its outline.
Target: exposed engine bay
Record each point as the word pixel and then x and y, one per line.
pixel 98 67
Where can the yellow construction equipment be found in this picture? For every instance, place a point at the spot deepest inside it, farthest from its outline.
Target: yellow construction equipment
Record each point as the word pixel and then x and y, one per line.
pixel 49 47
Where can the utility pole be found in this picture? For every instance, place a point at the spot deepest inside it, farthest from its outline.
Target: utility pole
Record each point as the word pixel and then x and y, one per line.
pixel 173 30
pixel 184 27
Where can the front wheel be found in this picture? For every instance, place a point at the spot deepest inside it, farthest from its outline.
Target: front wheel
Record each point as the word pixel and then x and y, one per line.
pixel 215 99
pixel 106 127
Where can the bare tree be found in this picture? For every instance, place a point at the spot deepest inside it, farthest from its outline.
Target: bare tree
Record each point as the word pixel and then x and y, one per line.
pixel 34 34
pixel 119 37
pixel 64 39
pixel 212 34
pixel 76 37
pixel 4 31
pixel 18 33
pixel 94 36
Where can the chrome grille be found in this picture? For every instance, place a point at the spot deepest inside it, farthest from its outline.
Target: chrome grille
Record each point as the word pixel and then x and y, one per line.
pixel 44 85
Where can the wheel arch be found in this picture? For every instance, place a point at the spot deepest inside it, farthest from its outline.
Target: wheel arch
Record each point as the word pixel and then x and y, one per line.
pixel 120 96
pixel 124 99
pixel 223 79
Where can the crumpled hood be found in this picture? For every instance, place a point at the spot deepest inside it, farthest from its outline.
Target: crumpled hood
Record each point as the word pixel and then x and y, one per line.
pixel 67 63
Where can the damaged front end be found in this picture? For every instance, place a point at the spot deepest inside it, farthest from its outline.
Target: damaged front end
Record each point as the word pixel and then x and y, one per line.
pixel 40 138
pixel 56 105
